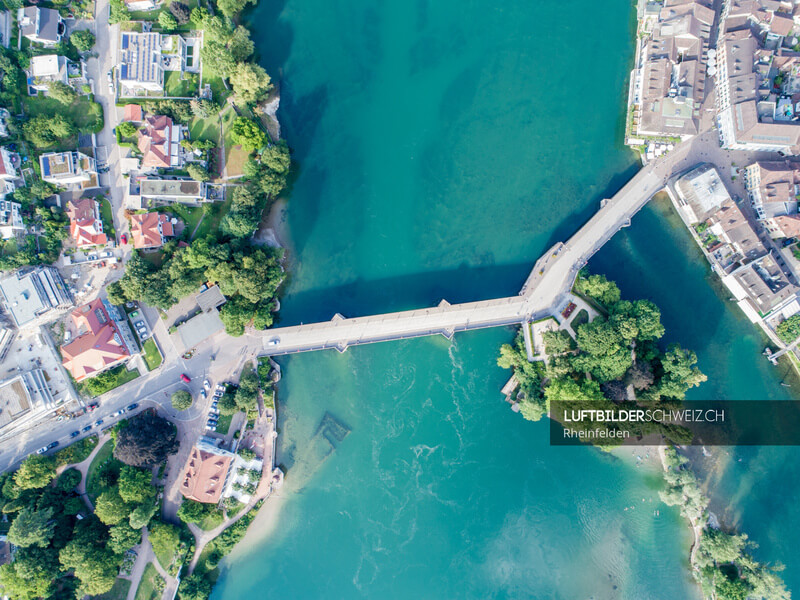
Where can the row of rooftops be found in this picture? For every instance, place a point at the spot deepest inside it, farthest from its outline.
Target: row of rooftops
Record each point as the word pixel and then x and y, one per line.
pixel 731 242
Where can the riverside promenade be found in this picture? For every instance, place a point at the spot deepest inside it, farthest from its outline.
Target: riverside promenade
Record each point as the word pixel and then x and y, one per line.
pixel 543 292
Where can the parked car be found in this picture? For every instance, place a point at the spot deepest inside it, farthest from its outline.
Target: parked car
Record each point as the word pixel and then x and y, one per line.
pixel 98 423
pixel 52 445
pixel 274 341
pixel 87 428
pixel 134 314
pixel 74 434
pixel 139 324
pixel 214 404
pixel 42 450
pixel 111 76
pixel 207 384
pixel 214 411
pixel 220 387
pixel 92 406
pixel 132 406
pixel 185 378
pixel 120 412
pixel 124 238
pixel 208 428
pixel 144 336
pixel 203 394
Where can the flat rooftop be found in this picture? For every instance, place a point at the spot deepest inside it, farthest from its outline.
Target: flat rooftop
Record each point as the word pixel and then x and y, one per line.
pixel 14 400
pixel 200 328
pixel 170 188
pixel 22 300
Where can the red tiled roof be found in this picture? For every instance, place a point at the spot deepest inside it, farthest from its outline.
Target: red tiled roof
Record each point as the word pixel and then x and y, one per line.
pixel 204 475
pixel 154 141
pixel 132 112
pixel 98 347
pixel 83 227
pixel 145 230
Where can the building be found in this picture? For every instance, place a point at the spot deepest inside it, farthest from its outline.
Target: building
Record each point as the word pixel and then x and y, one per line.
pixel 150 230
pixel 98 343
pixel 206 472
pixel 668 84
pixel 760 287
pixel 23 395
pixel 701 193
pixel 8 166
pixel 85 223
pixel 133 113
pixel 160 143
pixel 153 192
pixel 11 224
pixel 140 67
pixel 5 118
pixel 40 25
pixel 242 479
pixel 69 170
pixel 773 188
pixel 45 70
pixel 29 296
pixel 756 75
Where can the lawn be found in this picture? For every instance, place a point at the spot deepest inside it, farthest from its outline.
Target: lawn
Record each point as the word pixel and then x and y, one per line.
pixel 205 129
pixel 84 112
pixel 148 588
pixel 103 456
pixel 152 357
pixel 108 380
pixel 176 87
pixel 212 519
pixel 224 424
pixel 235 156
pixel 108 219
pixel 118 592
pixel 212 220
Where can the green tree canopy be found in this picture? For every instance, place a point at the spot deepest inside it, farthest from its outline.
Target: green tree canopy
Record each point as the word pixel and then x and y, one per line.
pixel 135 484
pixel 231 8
pixel 32 574
pixel 32 528
pixel 599 288
pixel 246 132
pixel 250 82
pixel 679 373
pixel 36 471
pixel 61 92
pixel 167 21
pixel 83 40
pixel 194 587
pixel 146 441
pixel 110 508
pixel 181 400
pixel 127 129
pixel 123 537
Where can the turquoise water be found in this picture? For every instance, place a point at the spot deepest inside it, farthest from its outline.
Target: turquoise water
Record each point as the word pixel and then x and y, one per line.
pixel 440 149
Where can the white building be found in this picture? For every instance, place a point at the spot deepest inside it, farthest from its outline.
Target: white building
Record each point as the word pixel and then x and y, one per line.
pixel 69 170
pixel 11 224
pixel 40 25
pixel 45 70
pixel 29 296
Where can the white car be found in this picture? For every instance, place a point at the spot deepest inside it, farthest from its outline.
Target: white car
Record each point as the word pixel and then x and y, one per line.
pixel 274 341
pixel 207 385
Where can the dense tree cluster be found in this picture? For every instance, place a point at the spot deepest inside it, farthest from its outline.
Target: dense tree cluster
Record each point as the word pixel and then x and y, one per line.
pixel 145 441
pixel 789 330
pixel 83 40
pixel 249 276
pixel 616 350
pixel 181 400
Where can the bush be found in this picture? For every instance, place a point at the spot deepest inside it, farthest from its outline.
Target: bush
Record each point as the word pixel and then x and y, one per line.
pixel 181 400
pixel 126 129
pixel 69 480
pixel 789 330
pixel 82 40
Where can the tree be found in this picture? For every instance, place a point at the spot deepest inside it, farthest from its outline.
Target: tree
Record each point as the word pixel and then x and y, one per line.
pixel 599 288
pixel 167 21
pixel 181 12
pixel 194 587
pixel 123 537
pixel 142 514
pixel 61 92
pixel 127 129
pixel 135 484
pixel 203 109
pixel 119 12
pixel 95 566
pixel 240 45
pixel 640 375
pixel 789 330
pixel 217 58
pixel 604 352
pixel 82 40
pixel 163 537
pixel 679 373
pixel 146 441
pixel 181 400
pixel 35 472
pixel 568 390
pixel 32 528
pixel 197 172
pixel 247 392
pixel 110 508
pixel 250 83
pixel 231 8
pixel 192 511
pixel 115 293
pixel 227 405
pixel 247 133
pixel 31 575
pixel 46 131
pixel 69 479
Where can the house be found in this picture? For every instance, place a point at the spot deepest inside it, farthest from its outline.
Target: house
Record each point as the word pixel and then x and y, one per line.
pixel 5 28
pixel 140 65
pixel 137 5
pixel 30 295
pixel 44 70
pixel 8 162
pixel 85 224
pixel 132 113
pixel 98 344
pixel 23 395
pixel 154 191
pixel 69 170
pixel 160 143
pixel 40 25
pixel 149 230
pixel 11 224
pixel 773 187
pixel 206 472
